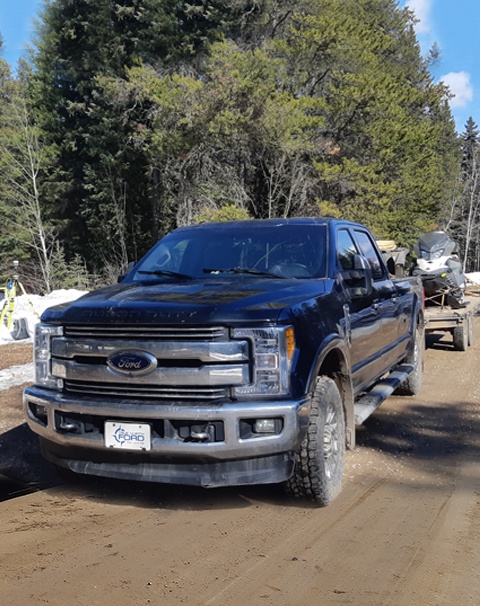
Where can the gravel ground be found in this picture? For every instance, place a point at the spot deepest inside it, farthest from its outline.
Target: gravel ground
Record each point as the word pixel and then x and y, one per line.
pixel 404 531
pixel 15 354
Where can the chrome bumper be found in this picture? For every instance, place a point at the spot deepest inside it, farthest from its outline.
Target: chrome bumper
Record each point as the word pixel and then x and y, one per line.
pixel 54 406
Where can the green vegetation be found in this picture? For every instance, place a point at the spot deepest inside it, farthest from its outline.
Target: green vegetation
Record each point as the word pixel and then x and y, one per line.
pixel 134 117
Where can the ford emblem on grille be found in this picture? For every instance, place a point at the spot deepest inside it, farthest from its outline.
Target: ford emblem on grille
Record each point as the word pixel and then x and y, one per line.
pixel 132 362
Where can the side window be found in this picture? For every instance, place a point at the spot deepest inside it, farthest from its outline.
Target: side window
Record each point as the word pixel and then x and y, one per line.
pixel 369 251
pixel 346 249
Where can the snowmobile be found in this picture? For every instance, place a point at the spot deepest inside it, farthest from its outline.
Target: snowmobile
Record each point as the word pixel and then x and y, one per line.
pixel 440 269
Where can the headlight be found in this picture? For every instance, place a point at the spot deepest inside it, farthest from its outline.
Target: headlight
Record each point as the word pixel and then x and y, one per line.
pixel 43 355
pixel 272 350
pixel 437 254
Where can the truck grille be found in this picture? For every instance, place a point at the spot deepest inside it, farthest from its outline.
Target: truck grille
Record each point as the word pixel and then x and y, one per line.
pixel 193 363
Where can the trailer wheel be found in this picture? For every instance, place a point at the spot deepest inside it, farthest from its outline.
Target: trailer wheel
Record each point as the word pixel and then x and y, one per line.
pixel 471 336
pixel 319 462
pixel 460 337
pixel 413 383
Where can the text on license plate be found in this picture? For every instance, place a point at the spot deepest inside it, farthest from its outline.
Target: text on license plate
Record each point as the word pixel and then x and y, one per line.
pixel 127 436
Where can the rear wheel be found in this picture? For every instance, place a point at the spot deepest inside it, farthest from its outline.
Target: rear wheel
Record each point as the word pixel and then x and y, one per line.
pixel 413 383
pixel 319 462
pixel 460 337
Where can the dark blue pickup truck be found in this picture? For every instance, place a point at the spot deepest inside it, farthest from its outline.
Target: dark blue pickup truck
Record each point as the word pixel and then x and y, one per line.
pixel 232 353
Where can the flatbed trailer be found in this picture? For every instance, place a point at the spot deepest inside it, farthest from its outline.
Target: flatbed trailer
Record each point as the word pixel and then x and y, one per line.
pixel 458 322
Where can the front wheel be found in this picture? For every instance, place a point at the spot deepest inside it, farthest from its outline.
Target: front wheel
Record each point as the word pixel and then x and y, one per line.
pixel 319 462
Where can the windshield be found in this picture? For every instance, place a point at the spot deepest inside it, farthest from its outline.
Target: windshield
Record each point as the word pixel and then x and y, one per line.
pixel 281 251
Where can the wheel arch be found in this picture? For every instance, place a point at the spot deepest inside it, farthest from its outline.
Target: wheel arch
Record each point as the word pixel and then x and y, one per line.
pixel 419 321
pixel 333 362
pixel 418 317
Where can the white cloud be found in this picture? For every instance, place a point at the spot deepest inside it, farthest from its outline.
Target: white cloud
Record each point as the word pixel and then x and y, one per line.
pixel 421 8
pixel 461 88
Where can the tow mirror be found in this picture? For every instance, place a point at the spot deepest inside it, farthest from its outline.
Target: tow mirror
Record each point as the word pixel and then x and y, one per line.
pixel 359 279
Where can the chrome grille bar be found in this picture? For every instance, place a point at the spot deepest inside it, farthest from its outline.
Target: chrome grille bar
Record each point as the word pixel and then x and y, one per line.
pixel 207 376
pixel 217 351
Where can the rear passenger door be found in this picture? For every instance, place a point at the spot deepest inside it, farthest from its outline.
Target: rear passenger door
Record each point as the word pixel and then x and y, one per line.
pixel 385 300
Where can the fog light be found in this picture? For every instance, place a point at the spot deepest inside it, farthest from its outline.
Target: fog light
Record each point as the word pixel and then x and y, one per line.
pixel 39 412
pixel 265 426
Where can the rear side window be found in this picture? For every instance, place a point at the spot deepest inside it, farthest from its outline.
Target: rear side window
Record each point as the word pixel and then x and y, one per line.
pixel 368 250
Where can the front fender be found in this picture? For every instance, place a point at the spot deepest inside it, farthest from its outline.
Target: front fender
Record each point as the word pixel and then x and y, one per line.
pixel 333 360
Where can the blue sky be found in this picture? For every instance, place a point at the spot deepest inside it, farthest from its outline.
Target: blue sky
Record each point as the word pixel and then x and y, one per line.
pixel 16 26
pixel 453 24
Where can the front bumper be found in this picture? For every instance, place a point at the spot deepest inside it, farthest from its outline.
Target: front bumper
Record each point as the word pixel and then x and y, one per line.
pixel 71 432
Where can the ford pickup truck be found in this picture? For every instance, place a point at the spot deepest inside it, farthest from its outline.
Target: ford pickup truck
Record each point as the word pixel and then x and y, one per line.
pixel 233 353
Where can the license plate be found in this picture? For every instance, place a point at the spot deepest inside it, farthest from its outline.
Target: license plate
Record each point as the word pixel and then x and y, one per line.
pixel 127 436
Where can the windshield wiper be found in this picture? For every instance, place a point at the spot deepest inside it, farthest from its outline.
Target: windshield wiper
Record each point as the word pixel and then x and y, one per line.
pixel 166 272
pixel 241 270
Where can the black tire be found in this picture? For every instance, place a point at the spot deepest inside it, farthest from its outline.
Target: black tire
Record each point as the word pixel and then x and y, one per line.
pixel 413 383
pixel 471 336
pixel 460 337
pixel 319 462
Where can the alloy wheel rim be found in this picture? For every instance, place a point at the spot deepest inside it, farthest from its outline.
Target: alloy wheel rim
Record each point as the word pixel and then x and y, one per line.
pixel 331 442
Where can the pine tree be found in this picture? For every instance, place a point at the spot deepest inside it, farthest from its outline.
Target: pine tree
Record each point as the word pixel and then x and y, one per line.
pixel 386 122
pixel 465 223
pixel 101 180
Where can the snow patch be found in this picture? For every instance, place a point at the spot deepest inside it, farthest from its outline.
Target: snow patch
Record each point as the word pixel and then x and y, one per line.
pixel 16 375
pixel 31 308
pixel 473 277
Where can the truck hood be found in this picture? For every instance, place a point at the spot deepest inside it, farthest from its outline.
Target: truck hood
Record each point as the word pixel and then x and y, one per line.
pixel 223 301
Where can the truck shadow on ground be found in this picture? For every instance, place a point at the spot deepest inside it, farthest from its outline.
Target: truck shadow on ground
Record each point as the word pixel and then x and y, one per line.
pixel 23 470
pixel 432 436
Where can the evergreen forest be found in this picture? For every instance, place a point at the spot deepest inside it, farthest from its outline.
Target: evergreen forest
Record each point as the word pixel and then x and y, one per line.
pixel 129 118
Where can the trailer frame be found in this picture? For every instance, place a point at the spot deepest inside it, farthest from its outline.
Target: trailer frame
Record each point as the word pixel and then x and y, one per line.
pixel 440 317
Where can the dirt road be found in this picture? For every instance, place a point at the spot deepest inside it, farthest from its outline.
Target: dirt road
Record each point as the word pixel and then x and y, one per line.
pixel 404 532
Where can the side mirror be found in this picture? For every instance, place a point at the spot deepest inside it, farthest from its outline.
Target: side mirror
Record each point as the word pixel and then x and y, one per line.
pixel 359 280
